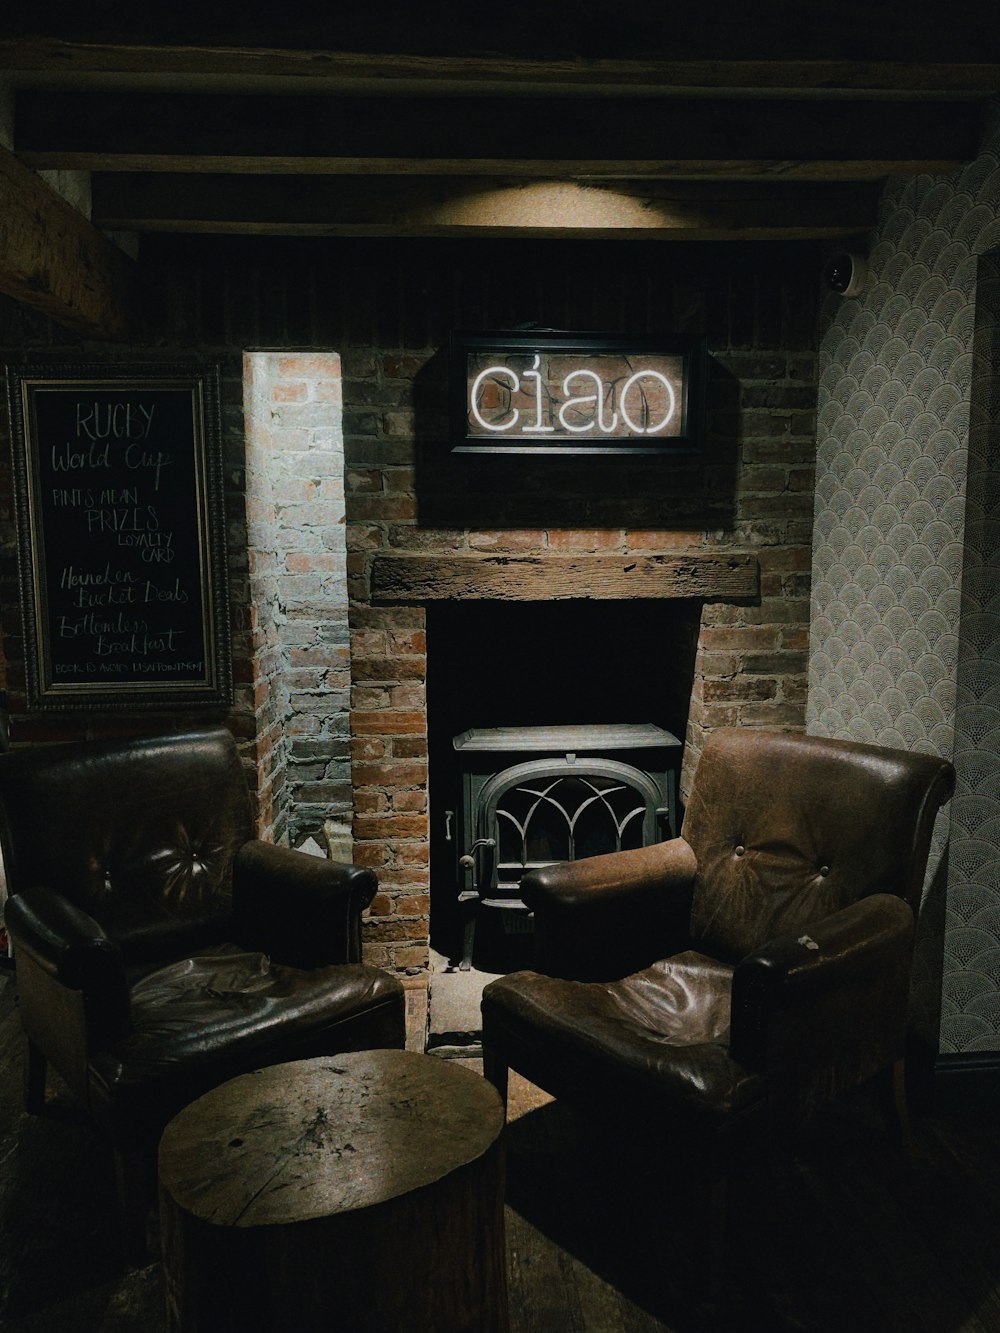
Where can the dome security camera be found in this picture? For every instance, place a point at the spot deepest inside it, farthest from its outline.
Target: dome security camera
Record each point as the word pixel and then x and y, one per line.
pixel 845 273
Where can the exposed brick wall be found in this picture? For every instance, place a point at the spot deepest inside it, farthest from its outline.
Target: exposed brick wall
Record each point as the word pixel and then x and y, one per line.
pixel 297 552
pixel 751 661
pixel 387 309
pixel 390 772
pixel 752 490
pixel 269 662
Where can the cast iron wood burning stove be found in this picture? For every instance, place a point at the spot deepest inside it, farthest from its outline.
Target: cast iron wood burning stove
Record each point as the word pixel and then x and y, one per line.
pixel 534 795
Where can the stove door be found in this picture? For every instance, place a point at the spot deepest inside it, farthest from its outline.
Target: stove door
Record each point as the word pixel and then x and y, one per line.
pixel 550 810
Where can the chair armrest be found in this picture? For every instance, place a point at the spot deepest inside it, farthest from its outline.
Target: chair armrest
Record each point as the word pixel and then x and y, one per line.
pixel 61 945
pixel 606 916
pixel 301 910
pixel 826 1009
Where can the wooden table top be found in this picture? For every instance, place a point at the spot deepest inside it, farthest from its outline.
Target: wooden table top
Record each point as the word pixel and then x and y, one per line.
pixel 330 1135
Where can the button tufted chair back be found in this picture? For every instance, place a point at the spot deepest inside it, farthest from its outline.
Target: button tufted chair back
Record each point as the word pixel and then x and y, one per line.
pixel 788 829
pixel 140 834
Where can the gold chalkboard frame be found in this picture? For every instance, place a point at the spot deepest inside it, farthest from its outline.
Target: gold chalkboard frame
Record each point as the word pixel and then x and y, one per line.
pixel 42 693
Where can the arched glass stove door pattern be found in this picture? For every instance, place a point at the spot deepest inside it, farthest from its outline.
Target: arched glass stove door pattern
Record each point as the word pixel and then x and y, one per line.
pixel 549 810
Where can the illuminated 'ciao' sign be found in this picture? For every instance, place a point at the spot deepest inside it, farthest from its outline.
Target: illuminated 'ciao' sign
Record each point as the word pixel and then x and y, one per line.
pixel 587 401
pixel 578 395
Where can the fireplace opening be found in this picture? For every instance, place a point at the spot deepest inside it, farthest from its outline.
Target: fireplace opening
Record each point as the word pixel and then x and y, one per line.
pixel 554 731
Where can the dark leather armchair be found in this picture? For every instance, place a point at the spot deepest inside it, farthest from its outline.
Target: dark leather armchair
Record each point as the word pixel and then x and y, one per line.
pixel 160 948
pixel 760 962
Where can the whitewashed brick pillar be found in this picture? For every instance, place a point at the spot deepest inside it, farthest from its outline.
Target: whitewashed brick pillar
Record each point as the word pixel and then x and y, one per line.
pixel 298 585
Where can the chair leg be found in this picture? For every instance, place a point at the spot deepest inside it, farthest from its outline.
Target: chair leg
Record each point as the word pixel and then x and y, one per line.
pixel 894 1105
pixel 131 1167
pixel 469 910
pixel 718 1219
pixel 495 1071
pixel 35 1071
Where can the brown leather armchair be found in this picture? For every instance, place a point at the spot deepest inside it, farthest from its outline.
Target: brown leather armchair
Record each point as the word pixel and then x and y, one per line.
pixel 760 962
pixel 160 948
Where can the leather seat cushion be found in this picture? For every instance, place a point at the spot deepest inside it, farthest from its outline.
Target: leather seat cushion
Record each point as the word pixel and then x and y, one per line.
pixel 204 1019
pixel 660 1037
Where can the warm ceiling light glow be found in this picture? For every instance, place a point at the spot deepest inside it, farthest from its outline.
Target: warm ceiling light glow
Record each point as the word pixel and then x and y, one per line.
pixel 545 205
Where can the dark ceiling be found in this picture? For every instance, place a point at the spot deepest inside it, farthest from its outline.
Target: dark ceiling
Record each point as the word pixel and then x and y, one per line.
pixel 715 122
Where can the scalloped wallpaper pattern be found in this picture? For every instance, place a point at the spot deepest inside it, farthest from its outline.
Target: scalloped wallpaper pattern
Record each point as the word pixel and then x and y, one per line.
pixel 905 607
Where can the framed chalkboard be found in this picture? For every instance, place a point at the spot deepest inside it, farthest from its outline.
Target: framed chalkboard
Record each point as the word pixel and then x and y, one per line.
pixel 121 536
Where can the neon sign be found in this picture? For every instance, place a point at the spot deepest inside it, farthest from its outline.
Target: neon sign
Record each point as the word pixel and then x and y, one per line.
pixel 555 393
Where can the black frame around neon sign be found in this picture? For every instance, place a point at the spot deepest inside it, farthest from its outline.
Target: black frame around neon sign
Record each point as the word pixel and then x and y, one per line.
pixel 517 358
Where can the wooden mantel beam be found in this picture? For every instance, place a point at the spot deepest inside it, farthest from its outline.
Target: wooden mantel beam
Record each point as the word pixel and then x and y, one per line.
pixel 421 578
pixel 54 260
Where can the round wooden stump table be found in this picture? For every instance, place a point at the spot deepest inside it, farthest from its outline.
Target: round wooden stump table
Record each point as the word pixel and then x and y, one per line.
pixel 359 1192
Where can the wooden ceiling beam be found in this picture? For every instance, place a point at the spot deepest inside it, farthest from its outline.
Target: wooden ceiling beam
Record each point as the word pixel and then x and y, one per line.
pixel 528 137
pixel 54 260
pixel 421 206
pixel 605 169
pixel 943 65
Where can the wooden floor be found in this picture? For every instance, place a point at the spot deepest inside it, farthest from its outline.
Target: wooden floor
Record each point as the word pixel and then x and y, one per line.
pixel 843 1235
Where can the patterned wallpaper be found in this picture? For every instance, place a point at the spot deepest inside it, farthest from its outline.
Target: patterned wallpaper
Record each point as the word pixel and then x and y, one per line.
pixel 971 1000
pixel 905 630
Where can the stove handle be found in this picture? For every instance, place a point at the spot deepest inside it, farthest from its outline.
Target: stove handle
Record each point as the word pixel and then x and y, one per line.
pixel 468 862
